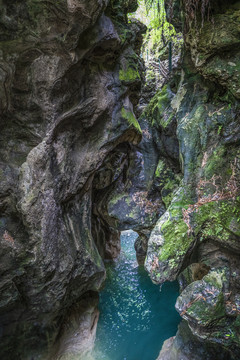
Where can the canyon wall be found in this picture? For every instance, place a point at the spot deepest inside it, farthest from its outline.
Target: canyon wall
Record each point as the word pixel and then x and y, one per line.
pixel 77 167
pixel 197 239
pixel 70 80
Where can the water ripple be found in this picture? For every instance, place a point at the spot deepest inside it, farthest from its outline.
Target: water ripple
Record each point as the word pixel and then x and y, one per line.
pixel 135 317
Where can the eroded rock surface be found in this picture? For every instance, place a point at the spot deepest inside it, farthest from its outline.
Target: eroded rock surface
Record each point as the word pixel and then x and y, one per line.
pixel 185 346
pixel 201 223
pixel 71 78
pixel 74 172
pixel 78 330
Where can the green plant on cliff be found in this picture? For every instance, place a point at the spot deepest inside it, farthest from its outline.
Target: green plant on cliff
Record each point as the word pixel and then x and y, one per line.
pixel 160 32
pixel 229 191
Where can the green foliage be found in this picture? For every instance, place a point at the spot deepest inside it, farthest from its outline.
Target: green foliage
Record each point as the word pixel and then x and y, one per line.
pixel 129 75
pixel 150 12
pixel 158 36
pixel 157 105
pixel 160 32
pixel 154 4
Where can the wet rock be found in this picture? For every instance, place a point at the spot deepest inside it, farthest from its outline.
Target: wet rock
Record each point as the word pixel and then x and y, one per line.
pixel 70 81
pixel 194 272
pixel 141 245
pixel 186 346
pixel 207 307
pixel 212 54
pixel 77 335
pixel 200 222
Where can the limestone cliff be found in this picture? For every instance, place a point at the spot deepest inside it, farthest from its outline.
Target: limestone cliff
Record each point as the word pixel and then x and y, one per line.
pixel 77 167
pixel 197 239
pixel 70 79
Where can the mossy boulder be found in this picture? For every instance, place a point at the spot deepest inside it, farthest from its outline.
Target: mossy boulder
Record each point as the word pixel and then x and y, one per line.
pixel 168 244
pixel 204 304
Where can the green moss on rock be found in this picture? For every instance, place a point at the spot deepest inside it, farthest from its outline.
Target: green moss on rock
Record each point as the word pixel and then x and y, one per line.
pixel 156 109
pixel 129 75
pixel 176 239
pixel 167 181
pixel 131 119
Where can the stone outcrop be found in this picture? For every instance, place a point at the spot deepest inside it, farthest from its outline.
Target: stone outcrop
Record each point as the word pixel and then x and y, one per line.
pixel 78 331
pixel 71 78
pixel 186 346
pixel 197 239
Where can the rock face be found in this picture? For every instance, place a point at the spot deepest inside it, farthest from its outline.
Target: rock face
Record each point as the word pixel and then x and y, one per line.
pixel 185 346
pixel 73 172
pixel 70 80
pixel 78 331
pixel 198 237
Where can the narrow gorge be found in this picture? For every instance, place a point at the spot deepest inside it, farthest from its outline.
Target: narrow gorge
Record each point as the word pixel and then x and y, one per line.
pixel 109 124
pixel 136 316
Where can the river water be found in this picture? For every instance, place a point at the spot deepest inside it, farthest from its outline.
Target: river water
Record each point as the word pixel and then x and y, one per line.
pixel 136 316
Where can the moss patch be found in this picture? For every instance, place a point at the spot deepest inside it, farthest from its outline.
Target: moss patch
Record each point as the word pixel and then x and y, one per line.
pixel 157 109
pixel 205 313
pixel 129 75
pixel 176 239
pixel 129 116
pixel 219 219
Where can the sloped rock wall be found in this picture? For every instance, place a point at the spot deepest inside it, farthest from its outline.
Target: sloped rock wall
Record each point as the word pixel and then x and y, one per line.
pixel 201 224
pixel 70 79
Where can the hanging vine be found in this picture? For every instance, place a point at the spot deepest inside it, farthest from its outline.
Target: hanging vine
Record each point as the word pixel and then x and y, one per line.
pixel 195 7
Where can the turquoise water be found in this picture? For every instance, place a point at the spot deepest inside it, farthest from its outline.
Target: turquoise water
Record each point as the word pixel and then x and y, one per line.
pixel 136 316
